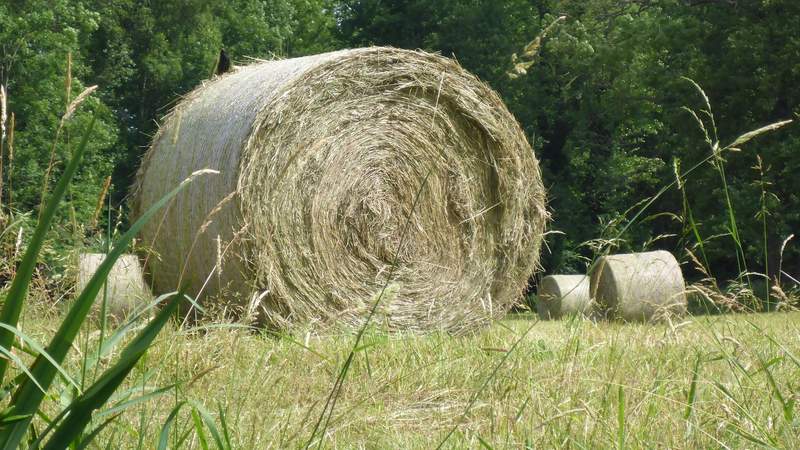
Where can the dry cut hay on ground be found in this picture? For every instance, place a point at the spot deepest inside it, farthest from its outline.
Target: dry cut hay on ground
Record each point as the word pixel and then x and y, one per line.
pixel 125 289
pixel 333 166
pixel 639 286
pixel 563 295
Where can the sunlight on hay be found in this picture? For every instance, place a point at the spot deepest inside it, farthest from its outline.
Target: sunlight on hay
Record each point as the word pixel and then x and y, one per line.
pixel 563 295
pixel 326 156
pixel 639 286
pixel 126 289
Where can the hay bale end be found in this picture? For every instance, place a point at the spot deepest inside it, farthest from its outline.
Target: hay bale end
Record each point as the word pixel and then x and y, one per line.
pixel 645 286
pixel 340 173
pixel 563 295
pixel 125 286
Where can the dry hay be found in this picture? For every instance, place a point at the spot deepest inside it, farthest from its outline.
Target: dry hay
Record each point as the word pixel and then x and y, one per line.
pixel 125 288
pixel 563 295
pixel 639 286
pixel 330 164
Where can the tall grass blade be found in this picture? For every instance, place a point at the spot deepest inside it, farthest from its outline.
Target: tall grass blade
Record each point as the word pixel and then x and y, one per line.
pixel 22 367
pixel 15 298
pixel 746 413
pixel 783 348
pixel 748 436
pixel 620 418
pixel 483 443
pixel 28 397
pixel 198 427
pixel 38 351
pixel 132 324
pixel 210 424
pixel 690 397
pixel 163 438
pixel 127 404
pixel 182 438
pixel 689 215
pixel 787 405
pixel 98 394
pixel 224 422
pixel 85 442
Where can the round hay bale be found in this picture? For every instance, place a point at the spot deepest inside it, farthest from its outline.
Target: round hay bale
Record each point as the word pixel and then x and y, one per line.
pixel 333 166
pixel 126 287
pixel 563 295
pixel 639 286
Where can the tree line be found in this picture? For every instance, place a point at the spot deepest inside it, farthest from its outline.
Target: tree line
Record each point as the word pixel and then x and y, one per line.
pixel 602 103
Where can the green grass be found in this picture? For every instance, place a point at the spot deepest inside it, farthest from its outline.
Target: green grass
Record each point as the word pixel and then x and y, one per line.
pixel 711 381
pixel 708 381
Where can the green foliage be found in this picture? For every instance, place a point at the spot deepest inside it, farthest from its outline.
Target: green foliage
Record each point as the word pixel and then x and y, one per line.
pixel 37 37
pixel 601 102
pixel 97 395
pixel 146 55
pixel 30 389
pixel 143 56
pixel 559 387
pixel 16 295
pixel 602 105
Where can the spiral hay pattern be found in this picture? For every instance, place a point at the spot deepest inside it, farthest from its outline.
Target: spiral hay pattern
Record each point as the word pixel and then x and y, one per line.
pixel 334 165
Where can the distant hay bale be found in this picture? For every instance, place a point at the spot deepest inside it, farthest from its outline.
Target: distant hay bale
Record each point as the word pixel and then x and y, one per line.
pixel 563 295
pixel 322 159
pixel 126 288
pixel 639 286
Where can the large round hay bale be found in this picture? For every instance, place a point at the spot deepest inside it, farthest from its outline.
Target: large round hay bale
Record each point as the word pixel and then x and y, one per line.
pixel 563 295
pixel 340 163
pixel 125 288
pixel 639 286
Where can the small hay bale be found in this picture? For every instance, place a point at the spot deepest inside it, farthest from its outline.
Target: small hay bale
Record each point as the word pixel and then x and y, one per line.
pixel 126 286
pixel 639 286
pixel 330 164
pixel 563 295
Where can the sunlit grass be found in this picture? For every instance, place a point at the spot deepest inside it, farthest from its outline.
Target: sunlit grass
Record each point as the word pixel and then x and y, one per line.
pixel 708 382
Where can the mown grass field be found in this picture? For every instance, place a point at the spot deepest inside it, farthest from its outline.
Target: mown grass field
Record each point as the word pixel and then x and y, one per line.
pixel 707 382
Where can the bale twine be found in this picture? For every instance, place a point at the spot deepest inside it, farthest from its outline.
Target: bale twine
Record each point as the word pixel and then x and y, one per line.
pixel 126 288
pixel 563 295
pixel 330 164
pixel 639 286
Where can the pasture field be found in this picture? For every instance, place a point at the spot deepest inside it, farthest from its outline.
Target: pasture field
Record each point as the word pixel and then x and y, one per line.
pixel 604 104
pixel 706 382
